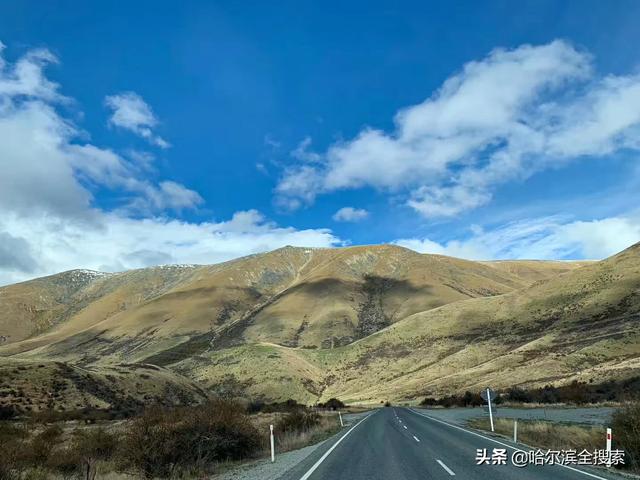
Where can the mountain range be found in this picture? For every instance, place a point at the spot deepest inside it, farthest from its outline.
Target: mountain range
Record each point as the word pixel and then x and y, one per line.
pixel 364 324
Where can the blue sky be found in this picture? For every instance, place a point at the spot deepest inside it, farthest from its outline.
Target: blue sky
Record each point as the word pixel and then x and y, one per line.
pixel 198 132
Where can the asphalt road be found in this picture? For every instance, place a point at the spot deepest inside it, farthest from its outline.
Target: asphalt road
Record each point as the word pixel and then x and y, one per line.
pixel 401 444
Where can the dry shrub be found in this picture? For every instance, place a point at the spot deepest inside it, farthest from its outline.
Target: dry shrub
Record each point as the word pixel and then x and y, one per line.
pixel 8 462
pixel 11 442
pixel 574 393
pixel 87 448
pixel 626 433
pixel 293 439
pixel 298 421
pixel 164 443
pixel 21 457
pixel 38 450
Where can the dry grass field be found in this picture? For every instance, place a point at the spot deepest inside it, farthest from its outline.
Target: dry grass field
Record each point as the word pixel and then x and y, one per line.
pixel 548 435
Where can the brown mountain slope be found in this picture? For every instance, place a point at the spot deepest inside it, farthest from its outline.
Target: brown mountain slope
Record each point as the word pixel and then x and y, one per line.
pixel 84 296
pixel 292 296
pixel 31 386
pixel 582 325
pixel 533 270
pixel 361 323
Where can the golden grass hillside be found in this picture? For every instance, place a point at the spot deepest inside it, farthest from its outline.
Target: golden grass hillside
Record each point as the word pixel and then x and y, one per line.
pixel 31 387
pixel 364 324
pixel 292 296
pixel 581 325
pixel 535 270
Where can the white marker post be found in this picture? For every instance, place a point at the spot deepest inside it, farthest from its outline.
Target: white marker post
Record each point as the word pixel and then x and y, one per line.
pixel 515 431
pixel 490 412
pixel 341 422
pixel 273 448
pixel 609 446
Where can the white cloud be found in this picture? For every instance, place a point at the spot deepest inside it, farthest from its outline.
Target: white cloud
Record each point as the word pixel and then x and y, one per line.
pixel 301 152
pixel 503 118
pixel 350 214
pixel 271 142
pixel 48 218
pixel 542 238
pixel 132 113
pixel 111 242
pixel 26 76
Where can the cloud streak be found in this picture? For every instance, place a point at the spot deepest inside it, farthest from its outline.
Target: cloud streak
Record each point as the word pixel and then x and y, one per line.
pixel 500 119
pixel 131 112
pixel 546 238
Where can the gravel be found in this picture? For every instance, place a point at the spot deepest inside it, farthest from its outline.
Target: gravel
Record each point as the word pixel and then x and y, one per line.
pixel 265 470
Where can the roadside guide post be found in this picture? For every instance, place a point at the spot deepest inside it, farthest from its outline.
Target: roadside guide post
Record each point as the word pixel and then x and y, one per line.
pixel 490 412
pixel 609 446
pixel 515 431
pixel 489 395
pixel 273 450
pixel 340 415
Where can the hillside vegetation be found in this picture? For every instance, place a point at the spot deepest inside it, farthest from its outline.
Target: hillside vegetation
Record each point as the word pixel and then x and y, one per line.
pixel 364 324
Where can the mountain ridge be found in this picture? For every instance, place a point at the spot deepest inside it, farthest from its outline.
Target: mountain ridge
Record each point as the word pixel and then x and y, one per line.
pixel 310 321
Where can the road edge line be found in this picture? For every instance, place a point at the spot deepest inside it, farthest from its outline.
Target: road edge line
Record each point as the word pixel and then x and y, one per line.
pixel 503 444
pixel 328 452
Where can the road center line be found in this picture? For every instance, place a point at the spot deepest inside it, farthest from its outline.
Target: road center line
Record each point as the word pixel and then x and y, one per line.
pixel 447 469
pixel 503 444
pixel 328 452
pixel 416 438
pixel 405 427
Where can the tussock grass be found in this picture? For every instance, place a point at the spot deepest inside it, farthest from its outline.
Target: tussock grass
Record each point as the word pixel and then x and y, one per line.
pixel 626 428
pixel 289 440
pixel 548 435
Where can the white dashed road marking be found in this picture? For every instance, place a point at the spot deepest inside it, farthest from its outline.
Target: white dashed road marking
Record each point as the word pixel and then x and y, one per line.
pixel 447 469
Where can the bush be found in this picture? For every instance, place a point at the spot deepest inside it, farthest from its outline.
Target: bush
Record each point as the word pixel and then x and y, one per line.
pixel 7 412
pixel 87 448
pixel 163 443
pixel 469 399
pixel 8 461
pixel 333 404
pixel 298 421
pixel 38 450
pixel 290 405
pixel 518 395
pixel 626 433
pixel 17 454
pixel 577 393
pixel 255 406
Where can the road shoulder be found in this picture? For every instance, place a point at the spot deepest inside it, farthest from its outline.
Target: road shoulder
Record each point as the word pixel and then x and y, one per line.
pixel 287 464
